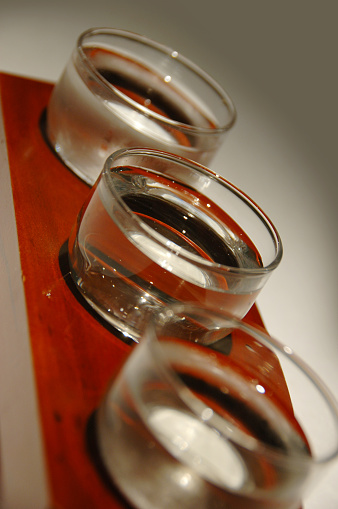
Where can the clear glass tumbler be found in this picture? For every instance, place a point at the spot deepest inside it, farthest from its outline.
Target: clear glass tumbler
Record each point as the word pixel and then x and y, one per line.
pixel 158 229
pixel 120 89
pixel 184 425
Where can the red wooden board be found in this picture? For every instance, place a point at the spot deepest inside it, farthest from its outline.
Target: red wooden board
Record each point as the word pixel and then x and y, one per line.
pixel 74 354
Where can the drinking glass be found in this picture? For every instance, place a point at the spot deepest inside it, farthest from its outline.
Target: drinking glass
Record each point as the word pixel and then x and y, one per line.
pixel 158 229
pixel 120 89
pixel 185 425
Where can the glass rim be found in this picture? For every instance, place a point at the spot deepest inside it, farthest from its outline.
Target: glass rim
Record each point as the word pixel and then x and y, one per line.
pixel 203 263
pixel 212 83
pixel 273 344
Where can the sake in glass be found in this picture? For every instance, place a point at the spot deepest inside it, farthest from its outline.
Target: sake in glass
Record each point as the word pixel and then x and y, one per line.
pixel 159 229
pixel 185 425
pixel 120 89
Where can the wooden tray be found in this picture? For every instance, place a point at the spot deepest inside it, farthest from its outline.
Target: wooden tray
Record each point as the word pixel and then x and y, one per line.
pixel 74 353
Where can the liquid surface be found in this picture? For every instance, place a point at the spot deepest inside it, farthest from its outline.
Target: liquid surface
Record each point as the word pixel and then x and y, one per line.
pixel 192 442
pixel 187 231
pixel 145 95
pixel 159 250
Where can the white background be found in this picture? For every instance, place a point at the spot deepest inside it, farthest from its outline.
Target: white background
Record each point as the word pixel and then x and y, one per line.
pixel 278 61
